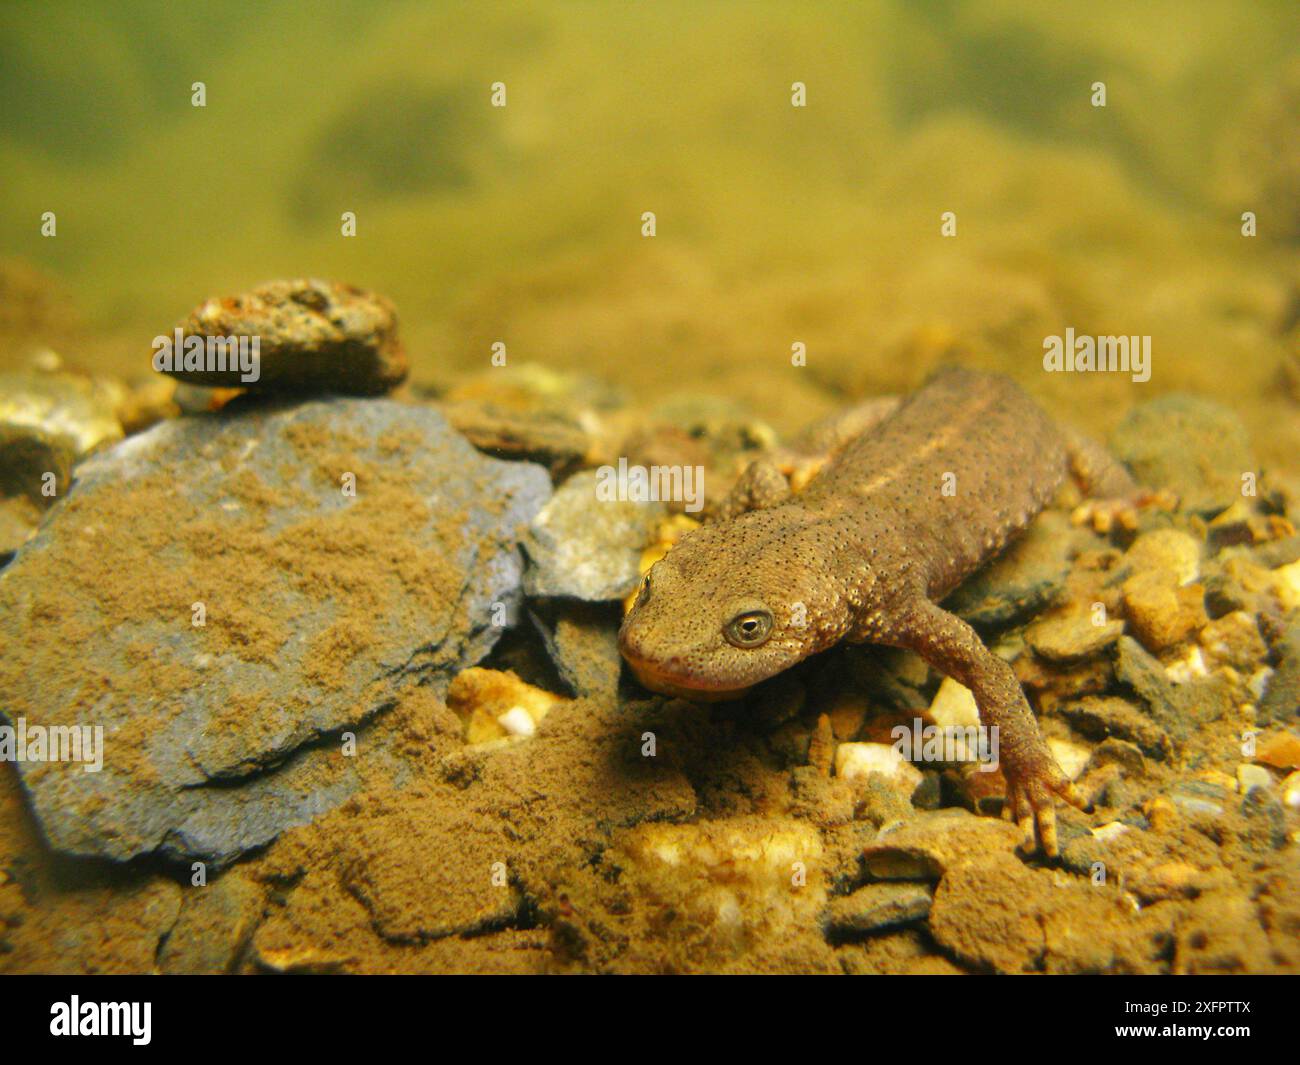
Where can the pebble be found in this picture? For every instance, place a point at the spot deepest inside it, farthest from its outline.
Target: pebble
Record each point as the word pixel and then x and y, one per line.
pixel 1026 578
pixel 496 703
pixel 1282 698
pixel 954 706
pixel 1173 554
pixel 1253 776
pixel 927 845
pixel 586 547
pixel 1234 640
pixel 1099 717
pixel 1281 750
pixel 858 761
pixel 313 336
pixel 1111 830
pixel 1176 708
pixel 878 906
pixel 1071 757
pixel 1072 637
pixel 1291 791
pixel 1162 613
pixel 48 422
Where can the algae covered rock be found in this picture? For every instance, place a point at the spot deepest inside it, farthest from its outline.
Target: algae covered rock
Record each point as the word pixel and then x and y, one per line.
pixel 1193 446
pixel 226 597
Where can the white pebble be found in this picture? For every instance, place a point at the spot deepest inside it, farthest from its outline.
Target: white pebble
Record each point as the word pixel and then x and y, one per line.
pixel 954 705
pixel 1291 790
pixel 857 761
pixel 518 722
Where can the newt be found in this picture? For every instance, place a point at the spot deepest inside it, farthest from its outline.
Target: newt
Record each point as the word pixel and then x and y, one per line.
pixel 923 493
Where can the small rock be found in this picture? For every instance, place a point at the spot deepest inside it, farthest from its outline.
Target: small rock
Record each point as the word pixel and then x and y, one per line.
pixel 1194 446
pixel 1234 640
pixel 1099 717
pixel 1161 613
pixel 1071 757
pixel 1281 750
pixel 729 885
pixel 926 846
pixel 553 439
pixel 954 706
pixel 48 421
pixel 1176 708
pixel 1291 791
pixel 1174 555
pixel 1286 586
pixel 587 547
pixel 313 336
pixel 215 925
pixel 878 906
pixel 1071 637
pixel 1122 753
pixel 1200 797
pixel 582 641
pixel 1234 581
pixel 1253 776
pixel 1281 702
pixel 847 714
pixel 1265 819
pixel 494 704
pixel 1111 830
pixel 858 761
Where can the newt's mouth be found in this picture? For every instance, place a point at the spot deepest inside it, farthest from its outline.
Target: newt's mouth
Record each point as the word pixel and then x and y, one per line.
pixel 681 687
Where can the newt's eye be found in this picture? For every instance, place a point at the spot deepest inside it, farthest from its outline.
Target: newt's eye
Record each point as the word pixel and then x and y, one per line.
pixel 644 594
pixel 749 629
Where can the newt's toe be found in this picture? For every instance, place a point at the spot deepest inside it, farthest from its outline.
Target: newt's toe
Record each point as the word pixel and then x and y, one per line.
pixel 1031 803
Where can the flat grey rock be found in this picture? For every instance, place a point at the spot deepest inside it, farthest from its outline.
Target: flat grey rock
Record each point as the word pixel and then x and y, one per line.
pixel 318 605
pixel 584 547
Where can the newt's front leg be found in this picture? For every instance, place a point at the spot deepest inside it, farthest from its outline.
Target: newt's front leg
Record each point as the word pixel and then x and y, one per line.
pixel 1034 780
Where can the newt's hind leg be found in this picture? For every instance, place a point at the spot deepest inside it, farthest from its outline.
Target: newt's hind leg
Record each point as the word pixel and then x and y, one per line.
pixel 1114 498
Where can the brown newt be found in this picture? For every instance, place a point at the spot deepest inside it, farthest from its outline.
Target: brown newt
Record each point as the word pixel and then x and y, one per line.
pixel 891 523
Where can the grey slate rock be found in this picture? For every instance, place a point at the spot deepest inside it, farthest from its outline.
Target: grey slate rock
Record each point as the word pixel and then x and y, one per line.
pixel 195 782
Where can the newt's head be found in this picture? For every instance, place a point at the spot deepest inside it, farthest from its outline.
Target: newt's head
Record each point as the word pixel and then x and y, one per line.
pixel 733 604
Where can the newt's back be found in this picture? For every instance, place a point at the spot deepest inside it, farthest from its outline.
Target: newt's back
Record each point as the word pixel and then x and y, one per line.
pixel 951 477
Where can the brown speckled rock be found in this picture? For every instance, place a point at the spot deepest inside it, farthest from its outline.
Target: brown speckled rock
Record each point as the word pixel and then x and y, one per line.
pixel 314 336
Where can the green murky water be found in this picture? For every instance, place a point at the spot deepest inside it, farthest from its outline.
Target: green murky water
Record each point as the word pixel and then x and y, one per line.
pixel 775 224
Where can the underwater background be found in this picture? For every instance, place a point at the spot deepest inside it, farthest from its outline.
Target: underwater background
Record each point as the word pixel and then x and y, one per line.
pixel 775 224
